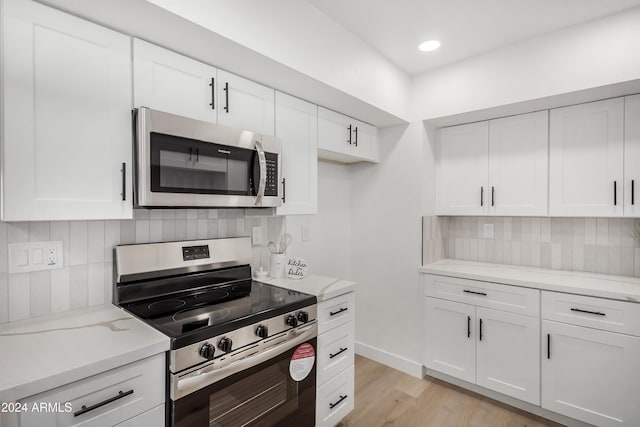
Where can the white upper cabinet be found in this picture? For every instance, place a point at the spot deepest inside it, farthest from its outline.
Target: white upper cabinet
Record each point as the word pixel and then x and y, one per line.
pixel 67 117
pixel 586 159
pixel 346 140
pixel 167 81
pixel 245 104
pixel 632 156
pixel 297 128
pixel 518 160
pixel 462 170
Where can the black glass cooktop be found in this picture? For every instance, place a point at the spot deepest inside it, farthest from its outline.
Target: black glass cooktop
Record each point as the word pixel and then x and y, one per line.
pixel 189 317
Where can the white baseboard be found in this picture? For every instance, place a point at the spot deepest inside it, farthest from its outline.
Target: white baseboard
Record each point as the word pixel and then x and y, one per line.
pixel 392 360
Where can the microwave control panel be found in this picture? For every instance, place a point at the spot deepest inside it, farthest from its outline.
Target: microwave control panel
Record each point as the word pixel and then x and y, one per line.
pixel 271 187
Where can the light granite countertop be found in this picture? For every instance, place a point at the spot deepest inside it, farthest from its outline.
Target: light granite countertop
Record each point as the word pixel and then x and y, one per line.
pixel 322 287
pixel 597 285
pixel 43 353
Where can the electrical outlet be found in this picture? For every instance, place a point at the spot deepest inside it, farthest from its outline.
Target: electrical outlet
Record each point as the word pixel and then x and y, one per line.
pixel 256 235
pixel 488 231
pixel 35 256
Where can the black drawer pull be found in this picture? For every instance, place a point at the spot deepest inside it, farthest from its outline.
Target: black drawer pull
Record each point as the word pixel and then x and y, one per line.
pixel 124 181
pixel 481 196
pixel 86 408
pixel 333 405
pixel 468 326
pixel 579 310
pixel 480 329
pixel 548 346
pixel 213 93
pixel 333 313
pixel 342 350
pixel 474 292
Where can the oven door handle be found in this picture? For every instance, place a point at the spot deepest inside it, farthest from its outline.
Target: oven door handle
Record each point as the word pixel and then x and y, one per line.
pixel 262 160
pixel 196 380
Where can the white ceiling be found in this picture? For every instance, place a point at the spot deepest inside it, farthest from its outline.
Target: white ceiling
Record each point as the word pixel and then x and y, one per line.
pixel 465 27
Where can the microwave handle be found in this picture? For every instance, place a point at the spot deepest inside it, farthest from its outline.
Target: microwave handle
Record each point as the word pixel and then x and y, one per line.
pixel 263 172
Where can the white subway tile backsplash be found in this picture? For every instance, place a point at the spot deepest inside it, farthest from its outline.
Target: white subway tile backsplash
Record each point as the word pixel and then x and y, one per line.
pixel 590 227
pixel 78 242
pixel 192 229
pixel 155 230
pixel 626 261
pixel 4 254
pixel 602 259
pixel 60 290
pixel 556 255
pixel 39 232
pixel 181 228
pixel 111 238
pixel 181 214
pixel 140 214
pixel 169 214
pixel 78 287
pixel 95 284
pixel 168 230
pixel 192 214
pixel 108 282
pixel 602 231
pixel 95 233
pixel 127 232
pixel 203 228
pixel 4 298
pixel 615 230
pixel 142 231
pixel 545 229
pixel 60 230
pixel 40 293
pixel 19 295
pixel 222 227
pixel 535 254
pixel 155 214
pixel 17 232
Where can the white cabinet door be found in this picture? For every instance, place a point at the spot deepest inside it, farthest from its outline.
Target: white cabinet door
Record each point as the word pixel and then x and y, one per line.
pixel 365 142
pixel 245 104
pixel 462 170
pixel 518 164
pixel 591 375
pixel 67 117
pixel 346 140
pixel 167 81
pixel 632 156
pixel 297 128
pixel 586 158
pixel 507 354
pixel 449 338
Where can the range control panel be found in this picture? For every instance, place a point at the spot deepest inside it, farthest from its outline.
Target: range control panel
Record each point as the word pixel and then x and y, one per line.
pixel 271 187
pixel 190 253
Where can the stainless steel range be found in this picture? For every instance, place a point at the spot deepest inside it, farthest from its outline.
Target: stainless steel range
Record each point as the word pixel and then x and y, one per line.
pixel 242 352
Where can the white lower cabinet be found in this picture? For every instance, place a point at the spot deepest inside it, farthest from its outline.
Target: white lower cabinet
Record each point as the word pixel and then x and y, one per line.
pixel 335 360
pixel 133 395
pixel 592 375
pixel 495 349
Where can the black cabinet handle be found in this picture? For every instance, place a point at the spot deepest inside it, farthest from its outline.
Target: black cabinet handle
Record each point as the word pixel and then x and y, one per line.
pixel 124 181
pixel 589 312
pixel 333 313
pixel 356 132
pixel 468 326
pixel 349 140
pixel 190 153
pixel 342 350
pixel 633 192
pixel 480 329
pixel 284 190
pixel 213 93
pixel 615 193
pixel 84 409
pixel 197 155
pixel 226 96
pixel 548 346
pixel 481 196
pixel 474 292
pixel 493 193
pixel 333 405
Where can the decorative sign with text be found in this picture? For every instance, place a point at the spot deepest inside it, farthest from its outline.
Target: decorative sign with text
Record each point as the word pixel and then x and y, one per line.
pixel 297 268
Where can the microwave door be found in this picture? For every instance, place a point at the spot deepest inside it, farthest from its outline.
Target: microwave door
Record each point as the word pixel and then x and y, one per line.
pixel 262 170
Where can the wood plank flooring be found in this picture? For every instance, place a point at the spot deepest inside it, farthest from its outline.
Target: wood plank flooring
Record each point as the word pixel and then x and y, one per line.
pixel 387 397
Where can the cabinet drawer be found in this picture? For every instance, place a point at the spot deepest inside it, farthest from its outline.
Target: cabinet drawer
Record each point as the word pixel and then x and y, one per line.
pixel 514 299
pixel 335 351
pixel 141 385
pixel 335 399
pixel 154 417
pixel 335 312
pixel 598 313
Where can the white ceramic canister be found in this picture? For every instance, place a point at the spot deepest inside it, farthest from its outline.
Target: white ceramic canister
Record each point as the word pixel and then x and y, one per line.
pixel 277 265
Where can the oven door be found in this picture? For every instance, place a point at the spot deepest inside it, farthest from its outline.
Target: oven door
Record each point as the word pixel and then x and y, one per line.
pixel 280 391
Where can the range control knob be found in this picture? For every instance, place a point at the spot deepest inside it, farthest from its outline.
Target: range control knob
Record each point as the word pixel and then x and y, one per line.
pixel 207 351
pixel 262 331
pixel 303 316
pixel 225 344
pixel 292 321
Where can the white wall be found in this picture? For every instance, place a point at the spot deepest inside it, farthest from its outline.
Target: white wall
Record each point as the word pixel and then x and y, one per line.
pixel 298 35
pixel 388 202
pixel 590 55
pixel 328 251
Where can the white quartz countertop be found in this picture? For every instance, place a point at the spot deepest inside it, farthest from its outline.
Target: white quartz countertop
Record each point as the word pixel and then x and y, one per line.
pixel 320 286
pixel 40 354
pixel 597 285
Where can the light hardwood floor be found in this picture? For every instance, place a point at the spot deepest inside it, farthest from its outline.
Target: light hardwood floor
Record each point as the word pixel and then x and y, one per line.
pixel 387 397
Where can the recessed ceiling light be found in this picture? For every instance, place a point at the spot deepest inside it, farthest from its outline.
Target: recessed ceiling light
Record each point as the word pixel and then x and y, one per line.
pixel 429 45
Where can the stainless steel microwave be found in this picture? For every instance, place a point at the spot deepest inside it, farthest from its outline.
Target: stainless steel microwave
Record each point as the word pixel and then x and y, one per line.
pixel 182 162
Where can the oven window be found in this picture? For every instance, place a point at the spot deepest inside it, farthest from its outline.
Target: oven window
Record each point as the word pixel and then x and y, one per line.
pixel 263 395
pixel 182 165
